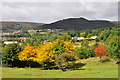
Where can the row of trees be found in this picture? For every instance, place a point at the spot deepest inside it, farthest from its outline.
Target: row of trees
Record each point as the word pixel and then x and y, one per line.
pixel 58 54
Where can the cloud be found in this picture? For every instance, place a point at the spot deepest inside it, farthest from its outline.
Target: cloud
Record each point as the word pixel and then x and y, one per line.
pixel 47 12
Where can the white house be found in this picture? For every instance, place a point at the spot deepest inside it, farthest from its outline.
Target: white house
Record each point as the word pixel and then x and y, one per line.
pixel 79 38
pixel 10 42
pixel 5 33
pixel 93 37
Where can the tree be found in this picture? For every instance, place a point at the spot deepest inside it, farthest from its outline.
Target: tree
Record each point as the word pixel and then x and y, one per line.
pixel 61 46
pixel 10 54
pixel 28 53
pixel 100 51
pixel 113 46
pixel 64 60
pixel 45 53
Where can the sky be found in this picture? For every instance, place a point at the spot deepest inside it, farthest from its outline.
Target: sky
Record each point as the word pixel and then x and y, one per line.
pixel 47 12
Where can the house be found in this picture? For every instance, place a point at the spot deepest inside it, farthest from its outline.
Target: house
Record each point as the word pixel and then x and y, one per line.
pixel 58 29
pixel 32 30
pixel 16 32
pixel 93 37
pixel 79 38
pixel 10 42
pixel 5 33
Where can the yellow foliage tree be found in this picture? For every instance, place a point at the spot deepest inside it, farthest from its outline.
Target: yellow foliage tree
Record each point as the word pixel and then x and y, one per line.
pixel 69 47
pixel 61 46
pixel 45 53
pixel 28 54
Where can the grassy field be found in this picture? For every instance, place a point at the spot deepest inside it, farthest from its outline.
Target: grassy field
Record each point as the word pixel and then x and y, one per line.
pixel 92 69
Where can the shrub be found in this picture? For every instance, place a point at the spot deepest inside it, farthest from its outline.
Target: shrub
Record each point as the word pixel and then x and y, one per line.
pixel 118 61
pixel 105 59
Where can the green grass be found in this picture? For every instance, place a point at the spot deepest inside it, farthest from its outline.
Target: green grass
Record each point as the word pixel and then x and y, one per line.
pixel 92 69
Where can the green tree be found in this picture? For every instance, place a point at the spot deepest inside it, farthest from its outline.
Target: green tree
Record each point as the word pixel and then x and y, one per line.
pixel 65 60
pixel 10 54
pixel 113 47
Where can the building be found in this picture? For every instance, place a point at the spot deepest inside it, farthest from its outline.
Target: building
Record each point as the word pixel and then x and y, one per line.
pixel 79 38
pixel 5 33
pixel 10 42
pixel 93 37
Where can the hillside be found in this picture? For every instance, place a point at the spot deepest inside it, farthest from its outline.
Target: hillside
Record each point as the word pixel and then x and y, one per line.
pixel 78 24
pixel 12 26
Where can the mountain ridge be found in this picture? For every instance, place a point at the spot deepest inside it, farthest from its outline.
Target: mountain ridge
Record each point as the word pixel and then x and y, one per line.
pixel 78 24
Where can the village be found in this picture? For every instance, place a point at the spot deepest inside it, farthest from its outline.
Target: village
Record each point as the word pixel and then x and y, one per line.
pixel 7 40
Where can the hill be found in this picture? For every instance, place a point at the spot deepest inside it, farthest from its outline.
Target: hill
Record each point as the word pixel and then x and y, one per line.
pixel 78 24
pixel 12 26
pixel 116 22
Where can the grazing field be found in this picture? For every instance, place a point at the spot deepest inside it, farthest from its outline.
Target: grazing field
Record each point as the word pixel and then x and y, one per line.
pixel 92 69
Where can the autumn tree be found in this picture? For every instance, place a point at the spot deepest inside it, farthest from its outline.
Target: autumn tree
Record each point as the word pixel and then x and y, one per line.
pixel 45 53
pixel 61 46
pixel 100 51
pixel 28 54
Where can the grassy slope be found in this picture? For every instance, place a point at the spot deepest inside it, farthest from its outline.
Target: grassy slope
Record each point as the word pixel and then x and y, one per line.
pixel 93 69
pixel 11 26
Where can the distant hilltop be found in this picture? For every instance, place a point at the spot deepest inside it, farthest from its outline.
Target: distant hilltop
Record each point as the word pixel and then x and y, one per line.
pixel 78 24
pixel 65 24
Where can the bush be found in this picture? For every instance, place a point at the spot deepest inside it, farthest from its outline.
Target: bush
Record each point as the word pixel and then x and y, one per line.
pixel 81 53
pixel 85 52
pixel 105 59
pixel 118 61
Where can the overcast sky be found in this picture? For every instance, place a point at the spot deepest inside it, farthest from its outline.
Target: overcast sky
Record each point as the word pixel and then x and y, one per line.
pixel 47 12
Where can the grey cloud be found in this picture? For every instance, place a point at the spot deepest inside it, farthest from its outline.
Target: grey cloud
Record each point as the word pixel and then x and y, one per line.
pixel 47 12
